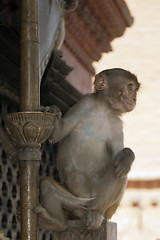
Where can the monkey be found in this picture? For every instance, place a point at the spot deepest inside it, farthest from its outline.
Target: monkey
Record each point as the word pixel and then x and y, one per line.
pixel 92 161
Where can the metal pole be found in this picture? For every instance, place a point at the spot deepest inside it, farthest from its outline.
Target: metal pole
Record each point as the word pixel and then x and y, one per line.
pixel 29 83
pixel 29 101
pixel 28 187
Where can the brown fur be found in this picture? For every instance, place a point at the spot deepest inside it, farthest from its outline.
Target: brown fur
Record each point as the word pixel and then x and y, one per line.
pixel 92 161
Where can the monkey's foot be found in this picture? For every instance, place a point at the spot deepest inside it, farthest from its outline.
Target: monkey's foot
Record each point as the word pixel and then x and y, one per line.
pixel 47 222
pixel 93 219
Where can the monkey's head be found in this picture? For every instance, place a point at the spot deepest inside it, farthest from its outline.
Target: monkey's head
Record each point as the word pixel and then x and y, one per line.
pixel 118 88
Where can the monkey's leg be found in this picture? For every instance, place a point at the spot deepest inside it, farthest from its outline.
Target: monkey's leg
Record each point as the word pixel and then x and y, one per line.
pixel 53 206
pixel 110 211
pixel 110 191
pixel 109 195
pixel 46 221
pixel 67 199
pixel 54 198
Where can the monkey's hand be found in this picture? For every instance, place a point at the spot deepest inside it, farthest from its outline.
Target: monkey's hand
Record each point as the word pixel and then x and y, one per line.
pixel 123 161
pixel 51 109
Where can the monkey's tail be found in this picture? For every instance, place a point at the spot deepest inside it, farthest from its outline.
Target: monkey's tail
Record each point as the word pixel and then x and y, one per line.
pixel 68 200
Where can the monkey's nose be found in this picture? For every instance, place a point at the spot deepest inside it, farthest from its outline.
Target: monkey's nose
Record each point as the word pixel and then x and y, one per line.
pixel 134 98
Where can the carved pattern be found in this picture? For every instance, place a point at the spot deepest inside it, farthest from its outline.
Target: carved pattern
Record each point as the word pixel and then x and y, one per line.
pixel 81 234
pixel 29 129
pixel 77 231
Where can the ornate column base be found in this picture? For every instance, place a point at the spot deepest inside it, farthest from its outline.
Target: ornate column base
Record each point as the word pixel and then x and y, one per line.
pixel 28 130
pixel 77 230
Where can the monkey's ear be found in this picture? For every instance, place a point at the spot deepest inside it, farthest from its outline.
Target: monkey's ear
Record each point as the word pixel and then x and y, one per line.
pixel 100 82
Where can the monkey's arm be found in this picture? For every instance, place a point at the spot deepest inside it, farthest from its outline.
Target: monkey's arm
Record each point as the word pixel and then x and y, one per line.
pixel 71 119
pixel 123 161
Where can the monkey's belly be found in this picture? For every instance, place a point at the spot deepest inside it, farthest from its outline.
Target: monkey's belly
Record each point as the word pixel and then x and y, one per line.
pixel 81 175
pixel 82 184
pixel 82 160
pixel 85 163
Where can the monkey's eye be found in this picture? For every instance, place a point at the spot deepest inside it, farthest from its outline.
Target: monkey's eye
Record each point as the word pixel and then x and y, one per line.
pixel 130 87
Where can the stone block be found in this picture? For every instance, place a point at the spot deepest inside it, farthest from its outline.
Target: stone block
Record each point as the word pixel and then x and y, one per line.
pixel 77 231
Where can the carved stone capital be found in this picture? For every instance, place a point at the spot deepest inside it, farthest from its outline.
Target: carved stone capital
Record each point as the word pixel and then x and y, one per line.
pixel 29 129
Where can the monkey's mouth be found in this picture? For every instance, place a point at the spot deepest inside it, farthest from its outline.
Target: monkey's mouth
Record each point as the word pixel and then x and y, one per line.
pixel 130 106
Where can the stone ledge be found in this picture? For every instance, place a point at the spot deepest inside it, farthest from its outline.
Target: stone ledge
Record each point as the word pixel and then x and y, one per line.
pixel 77 231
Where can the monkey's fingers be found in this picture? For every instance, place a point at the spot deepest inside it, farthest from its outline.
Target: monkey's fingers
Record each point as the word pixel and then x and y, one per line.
pixel 116 163
pixel 56 110
pixel 120 172
pixel 43 109
pixel 51 109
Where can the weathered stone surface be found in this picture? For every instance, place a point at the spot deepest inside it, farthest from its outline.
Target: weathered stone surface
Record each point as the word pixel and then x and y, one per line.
pixel 77 231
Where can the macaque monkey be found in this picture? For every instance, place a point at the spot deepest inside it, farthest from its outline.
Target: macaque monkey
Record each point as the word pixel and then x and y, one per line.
pixel 92 161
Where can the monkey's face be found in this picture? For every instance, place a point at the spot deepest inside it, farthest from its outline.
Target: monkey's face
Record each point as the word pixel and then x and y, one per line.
pixel 122 97
pixel 118 88
pixel 128 97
